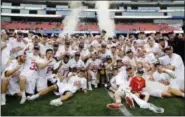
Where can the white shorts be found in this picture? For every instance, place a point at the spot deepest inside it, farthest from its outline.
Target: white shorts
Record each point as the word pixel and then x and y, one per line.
pixel 41 83
pixel 13 86
pixel 62 87
pixel 30 82
pixel 181 83
pixel 174 83
pixel 155 88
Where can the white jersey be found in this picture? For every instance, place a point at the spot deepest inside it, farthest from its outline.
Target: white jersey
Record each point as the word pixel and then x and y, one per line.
pixel 13 87
pixel 128 60
pixel 141 42
pixel 107 53
pixel 150 58
pixel 64 68
pixel 155 49
pixel 5 56
pixel 47 71
pixel 73 63
pixel 43 48
pixel 31 67
pixel 176 61
pixel 95 43
pixel 160 76
pixel 91 62
pixel 164 76
pixel 17 45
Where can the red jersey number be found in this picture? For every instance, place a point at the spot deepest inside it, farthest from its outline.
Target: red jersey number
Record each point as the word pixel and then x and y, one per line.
pixel 49 69
pixel 33 66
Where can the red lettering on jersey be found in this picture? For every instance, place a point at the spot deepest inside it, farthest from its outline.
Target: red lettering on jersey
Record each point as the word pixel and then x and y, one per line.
pixel 49 69
pixel 33 66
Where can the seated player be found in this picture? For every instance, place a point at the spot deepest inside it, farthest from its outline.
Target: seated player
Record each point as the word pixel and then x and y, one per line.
pixel 137 83
pixel 65 89
pixel 11 80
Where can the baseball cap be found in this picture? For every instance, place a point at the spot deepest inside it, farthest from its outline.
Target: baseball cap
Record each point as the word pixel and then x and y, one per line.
pixel 109 38
pixel 114 67
pixel 156 64
pixel 140 71
pixel 129 51
pixel 77 54
pixel 103 45
pixel 161 39
pixel 103 31
pixel 128 68
pixel 45 35
pixel 35 37
pixel 67 42
pixel 157 33
pixel 19 33
pixel 167 48
pixel 36 47
pixel 142 32
pixel 108 57
pixel 82 69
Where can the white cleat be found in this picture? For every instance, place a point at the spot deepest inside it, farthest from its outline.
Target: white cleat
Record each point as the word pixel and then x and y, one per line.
pixel 3 103
pixel 33 97
pixel 3 99
pixel 90 88
pixel 23 100
pixel 56 102
pixel 96 86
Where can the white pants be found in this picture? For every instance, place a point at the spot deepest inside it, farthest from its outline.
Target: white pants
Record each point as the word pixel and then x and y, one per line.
pixel 155 88
pixel 41 83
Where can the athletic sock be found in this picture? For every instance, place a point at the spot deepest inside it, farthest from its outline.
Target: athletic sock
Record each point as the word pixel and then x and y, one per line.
pixel 183 95
pixel 3 97
pixel 23 94
pixel 90 87
pixel 37 95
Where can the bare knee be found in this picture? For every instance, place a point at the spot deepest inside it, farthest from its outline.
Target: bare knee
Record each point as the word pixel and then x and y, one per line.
pixel 5 80
pixel 22 78
pixel 69 94
pixel 166 94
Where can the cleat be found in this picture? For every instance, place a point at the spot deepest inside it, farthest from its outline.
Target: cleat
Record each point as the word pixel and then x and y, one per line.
pixel 56 102
pixel 130 102
pixel 23 100
pixel 114 106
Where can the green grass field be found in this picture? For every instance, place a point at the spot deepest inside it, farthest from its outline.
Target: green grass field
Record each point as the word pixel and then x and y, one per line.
pixel 91 104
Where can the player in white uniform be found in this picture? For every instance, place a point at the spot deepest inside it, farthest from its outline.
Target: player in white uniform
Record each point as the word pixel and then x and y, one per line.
pixel 10 79
pixel 51 66
pixel 92 65
pixel 124 91
pixel 152 47
pixel 168 78
pixel 17 44
pixel 174 62
pixel 76 61
pixel 65 89
pixel 31 68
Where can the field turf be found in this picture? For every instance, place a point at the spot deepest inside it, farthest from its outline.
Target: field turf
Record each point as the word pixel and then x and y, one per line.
pixel 91 104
